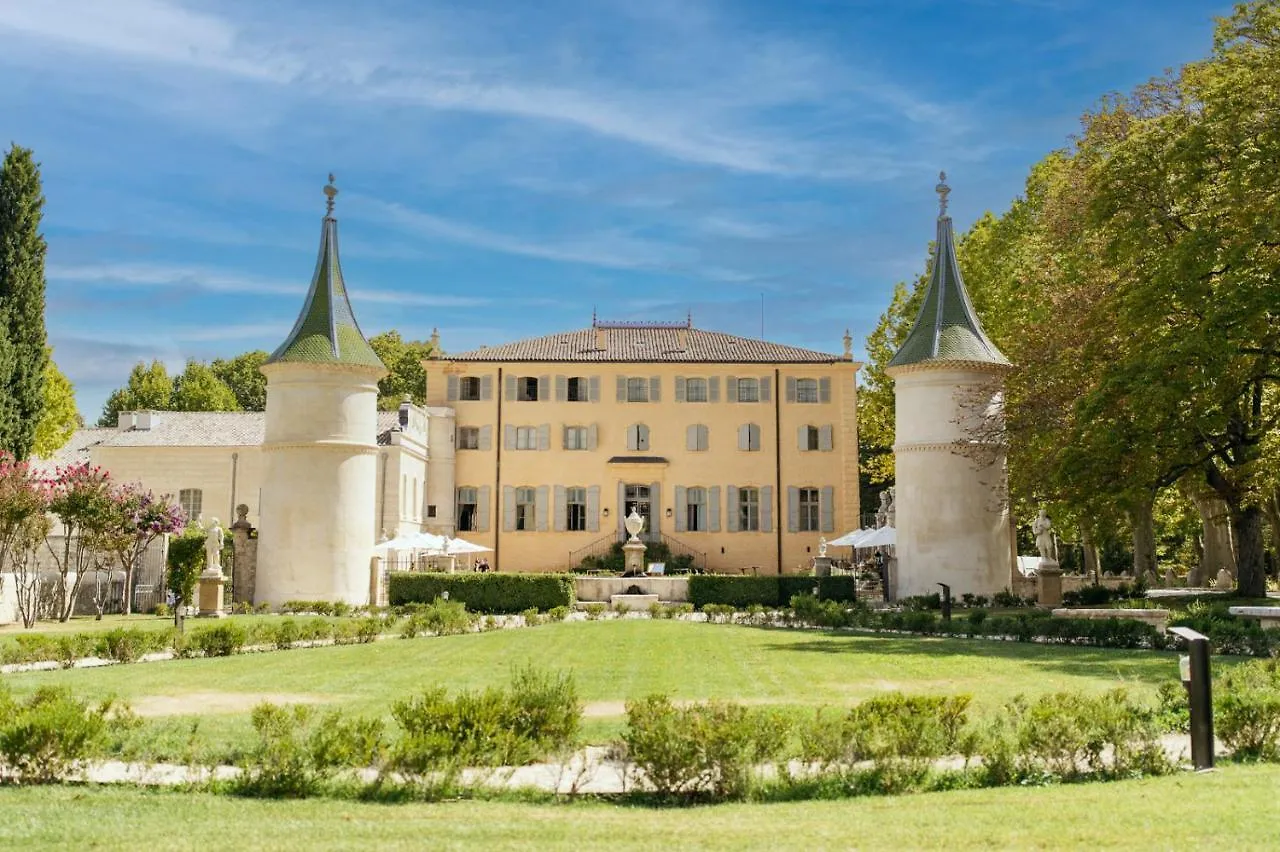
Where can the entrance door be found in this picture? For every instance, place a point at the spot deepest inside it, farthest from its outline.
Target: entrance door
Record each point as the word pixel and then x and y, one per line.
pixel 638 497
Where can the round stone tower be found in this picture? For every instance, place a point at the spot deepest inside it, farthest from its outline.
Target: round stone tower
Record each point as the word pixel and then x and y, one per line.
pixel 951 489
pixel 317 515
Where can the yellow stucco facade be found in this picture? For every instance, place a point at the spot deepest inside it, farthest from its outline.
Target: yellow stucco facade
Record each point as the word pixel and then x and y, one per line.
pixel 745 464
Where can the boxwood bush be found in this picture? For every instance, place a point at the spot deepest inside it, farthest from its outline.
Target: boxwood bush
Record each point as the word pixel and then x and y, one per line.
pixel 742 592
pixel 507 593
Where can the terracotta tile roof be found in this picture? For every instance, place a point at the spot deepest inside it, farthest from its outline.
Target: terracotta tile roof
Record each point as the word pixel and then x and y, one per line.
pixel 647 342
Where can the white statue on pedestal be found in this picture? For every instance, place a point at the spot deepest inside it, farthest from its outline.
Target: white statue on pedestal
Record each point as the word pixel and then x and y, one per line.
pixel 891 515
pixel 822 546
pixel 1043 529
pixel 213 542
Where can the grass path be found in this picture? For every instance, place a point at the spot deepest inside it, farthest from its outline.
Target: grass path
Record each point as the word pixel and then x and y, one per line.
pixel 1229 809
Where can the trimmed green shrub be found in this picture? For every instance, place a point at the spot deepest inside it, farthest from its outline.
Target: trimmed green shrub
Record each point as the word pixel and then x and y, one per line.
pixel 221 640
pixel 126 645
pixel 710 749
pixel 500 593
pixel 536 715
pixel 440 617
pixel 293 758
pixel 42 737
pixel 1247 709
pixel 737 592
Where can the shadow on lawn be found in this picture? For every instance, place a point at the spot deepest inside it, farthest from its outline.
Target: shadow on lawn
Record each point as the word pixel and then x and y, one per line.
pixel 1152 667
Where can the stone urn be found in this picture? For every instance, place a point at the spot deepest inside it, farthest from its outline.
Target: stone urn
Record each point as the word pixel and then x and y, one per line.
pixel 634 525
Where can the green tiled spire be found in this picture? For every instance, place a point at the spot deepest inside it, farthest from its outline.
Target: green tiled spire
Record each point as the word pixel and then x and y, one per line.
pixel 326 331
pixel 947 328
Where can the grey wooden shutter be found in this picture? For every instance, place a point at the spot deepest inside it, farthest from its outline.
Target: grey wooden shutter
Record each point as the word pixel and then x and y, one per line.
pixel 766 509
pixel 540 499
pixel 622 507
pixel 486 437
pixel 544 388
pixel 593 436
pixel 562 509
pixel 679 388
pixel 544 436
pixel 826 438
pixel 828 509
pixel 509 437
pixel 655 507
pixel 562 388
pixel 564 437
pixel 744 437
pixel 622 388
pixel 655 389
pixel 713 509
pixel 713 389
pixel 642 439
pixel 791 389
pixel 766 389
pixel 691 438
pixel 594 389
pixel 681 511
pixel 483 498
pixel 508 508
pixel 511 389
pixel 793 509
pixel 453 388
pixel 824 390
pixel 633 436
pixel 731 389
pixel 593 509
pixel 486 388
pixel 802 438
pixel 731 508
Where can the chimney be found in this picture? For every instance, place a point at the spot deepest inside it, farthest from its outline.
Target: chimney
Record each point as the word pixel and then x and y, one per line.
pixel 145 420
pixel 601 341
pixel 684 339
pixel 125 420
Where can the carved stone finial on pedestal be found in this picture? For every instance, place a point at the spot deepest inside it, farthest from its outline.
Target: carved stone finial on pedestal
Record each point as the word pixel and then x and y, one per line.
pixel 1224 580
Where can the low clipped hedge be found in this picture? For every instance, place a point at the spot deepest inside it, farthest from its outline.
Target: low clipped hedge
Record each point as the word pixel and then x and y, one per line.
pixel 488 593
pixel 743 592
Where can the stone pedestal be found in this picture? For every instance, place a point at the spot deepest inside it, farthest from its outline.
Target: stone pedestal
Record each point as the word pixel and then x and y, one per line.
pixel 1048 583
pixel 822 566
pixel 244 569
pixel 210 594
pixel 1224 580
pixel 633 557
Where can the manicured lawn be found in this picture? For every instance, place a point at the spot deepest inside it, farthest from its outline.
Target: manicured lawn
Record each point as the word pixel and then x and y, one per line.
pixel 612 661
pixel 1229 809
pixel 88 624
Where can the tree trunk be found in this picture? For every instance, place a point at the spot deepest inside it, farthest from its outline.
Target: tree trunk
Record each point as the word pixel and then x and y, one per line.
pixel 1144 536
pixel 1217 538
pixel 1272 510
pixel 1251 576
pixel 1092 565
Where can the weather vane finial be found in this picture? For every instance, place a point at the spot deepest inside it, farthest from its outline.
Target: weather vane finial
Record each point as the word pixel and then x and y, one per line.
pixel 943 191
pixel 330 192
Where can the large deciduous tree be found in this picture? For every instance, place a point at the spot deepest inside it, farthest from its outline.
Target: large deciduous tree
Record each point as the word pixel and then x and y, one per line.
pixel 197 389
pixel 23 353
pixel 61 417
pixel 406 376
pixel 243 374
pixel 149 388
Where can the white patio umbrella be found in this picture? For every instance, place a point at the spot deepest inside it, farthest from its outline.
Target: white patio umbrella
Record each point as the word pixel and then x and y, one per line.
pixel 883 537
pixel 459 546
pixel 414 541
pixel 850 539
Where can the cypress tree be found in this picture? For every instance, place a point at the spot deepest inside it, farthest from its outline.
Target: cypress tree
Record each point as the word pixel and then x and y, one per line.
pixel 22 251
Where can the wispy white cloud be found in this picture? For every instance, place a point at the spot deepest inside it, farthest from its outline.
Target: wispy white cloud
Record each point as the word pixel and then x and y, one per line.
pixel 222 281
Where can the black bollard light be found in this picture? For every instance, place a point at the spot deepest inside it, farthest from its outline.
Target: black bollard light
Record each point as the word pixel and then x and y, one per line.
pixel 1194 669
pixel 946 601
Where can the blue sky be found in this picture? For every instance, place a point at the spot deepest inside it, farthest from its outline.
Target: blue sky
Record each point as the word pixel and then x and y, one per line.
pixel 506 166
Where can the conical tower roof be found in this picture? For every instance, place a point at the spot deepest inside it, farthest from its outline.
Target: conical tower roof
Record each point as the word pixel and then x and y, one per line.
pixel 947 329
pixel 326 331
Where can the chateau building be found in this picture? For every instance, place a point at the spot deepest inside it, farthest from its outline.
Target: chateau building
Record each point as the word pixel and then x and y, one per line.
pixel 740 452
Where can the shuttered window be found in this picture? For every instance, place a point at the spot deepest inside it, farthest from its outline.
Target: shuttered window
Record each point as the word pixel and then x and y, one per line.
pixel 467 509
pixel 526 508
pixel 696 510
pixel 469 389
pixel 809 509
pixel 748 509
pixel 575 500
pixel 695 390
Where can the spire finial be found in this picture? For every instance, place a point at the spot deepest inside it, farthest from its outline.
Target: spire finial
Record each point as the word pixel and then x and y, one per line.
pixel 330 192
pixel 848 345
pixel 943 191
pixel 688 319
